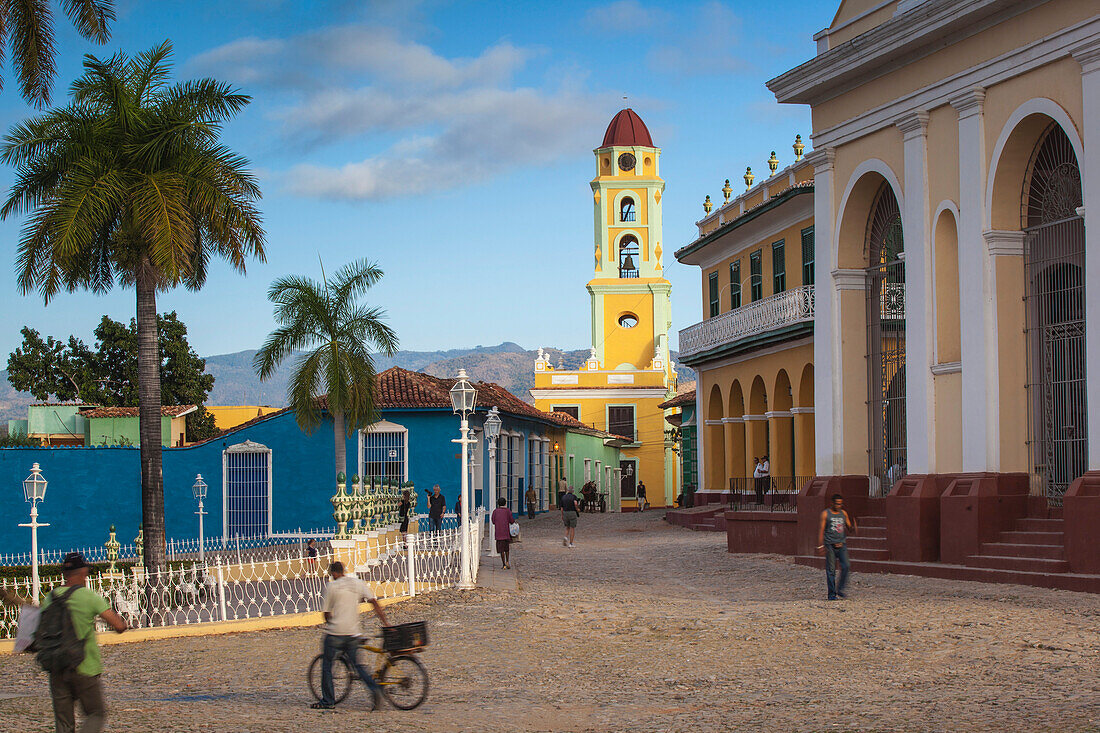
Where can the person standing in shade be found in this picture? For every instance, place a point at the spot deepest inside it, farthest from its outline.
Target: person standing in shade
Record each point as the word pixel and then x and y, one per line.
pixel 641 496
pixel 403 510
pixel 757 484
pixel 569 515
pixel 82 682
pixel 765 477
pixel 832 537
pixel 530 498
pixel 502 521
pixel 437 507
pixel 340 607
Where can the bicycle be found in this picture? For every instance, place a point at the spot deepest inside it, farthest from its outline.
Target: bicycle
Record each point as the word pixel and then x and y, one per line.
pixel 400 673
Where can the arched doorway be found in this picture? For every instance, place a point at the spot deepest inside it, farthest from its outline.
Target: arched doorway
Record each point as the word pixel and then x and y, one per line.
pixel 1054 296
pixel 885 340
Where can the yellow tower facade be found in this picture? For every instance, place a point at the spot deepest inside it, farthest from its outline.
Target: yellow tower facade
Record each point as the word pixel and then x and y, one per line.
pixel 628 373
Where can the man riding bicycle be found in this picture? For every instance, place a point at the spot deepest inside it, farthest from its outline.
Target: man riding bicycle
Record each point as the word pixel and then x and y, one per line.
pixel 343 630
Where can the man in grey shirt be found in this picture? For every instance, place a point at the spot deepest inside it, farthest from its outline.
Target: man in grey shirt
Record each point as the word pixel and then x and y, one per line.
pixel 342 631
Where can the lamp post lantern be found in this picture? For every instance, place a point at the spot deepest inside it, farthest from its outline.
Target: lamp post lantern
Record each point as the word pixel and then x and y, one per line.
pixel 463 400
pixel 492 432
pixel 34 491
pixel 199 490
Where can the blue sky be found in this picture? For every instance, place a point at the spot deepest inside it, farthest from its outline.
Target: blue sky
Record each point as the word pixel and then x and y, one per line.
pixel 451 143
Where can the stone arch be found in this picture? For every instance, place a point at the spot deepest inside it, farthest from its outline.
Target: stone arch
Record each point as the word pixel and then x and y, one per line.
pixel 805 456
pixel 782 394
pixel 855 208
pixel 756 425
pixel 781 437
pixel 735 430
pixel 714 444
pixel 1012 156
pixel 806 387
pixel 758 396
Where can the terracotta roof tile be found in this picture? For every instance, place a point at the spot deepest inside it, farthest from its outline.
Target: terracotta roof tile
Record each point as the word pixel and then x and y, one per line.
pixel 165 411
pixel 683 398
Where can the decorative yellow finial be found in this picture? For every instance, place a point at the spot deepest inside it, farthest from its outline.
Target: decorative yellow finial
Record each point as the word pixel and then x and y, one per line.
pixel 707 205
pixel 798 147
pixel 748 177
pixel 773 162
pixel 726 190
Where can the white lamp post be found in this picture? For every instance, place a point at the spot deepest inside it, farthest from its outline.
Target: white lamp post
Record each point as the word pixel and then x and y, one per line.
pixel 492 432
pixel 463 399
pixel 199 490
pixel 34 491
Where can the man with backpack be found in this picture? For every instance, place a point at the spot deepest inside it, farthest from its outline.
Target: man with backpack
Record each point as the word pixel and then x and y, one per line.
pixel 67 647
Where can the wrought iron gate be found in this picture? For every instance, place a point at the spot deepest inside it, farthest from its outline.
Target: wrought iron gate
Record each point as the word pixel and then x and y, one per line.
pixel 885 342
pixel 1054 299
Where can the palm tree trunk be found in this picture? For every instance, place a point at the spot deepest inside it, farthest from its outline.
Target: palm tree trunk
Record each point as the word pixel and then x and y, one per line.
pixel 149 420
pixel 341 442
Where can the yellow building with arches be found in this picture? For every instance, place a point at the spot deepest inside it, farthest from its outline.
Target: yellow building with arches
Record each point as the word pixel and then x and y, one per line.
pixel 753 350
pixel 628 372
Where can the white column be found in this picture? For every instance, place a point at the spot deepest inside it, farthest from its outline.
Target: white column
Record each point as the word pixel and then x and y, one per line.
pixel 701 428
pixel 919 406
pixel 1089 58
pixel 979 363
pixel 828 431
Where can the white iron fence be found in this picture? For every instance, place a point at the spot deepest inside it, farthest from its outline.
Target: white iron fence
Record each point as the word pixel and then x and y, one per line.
pixel 785 309
pixel 279 583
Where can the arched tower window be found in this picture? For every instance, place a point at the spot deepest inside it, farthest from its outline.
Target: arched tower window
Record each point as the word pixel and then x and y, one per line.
pixel 1054 306
pixel 886 340
pixel 628 257
pixel 626 209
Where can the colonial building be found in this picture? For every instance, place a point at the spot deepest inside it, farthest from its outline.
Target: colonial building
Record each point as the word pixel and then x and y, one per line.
pixel 957 218
pixel 753 348
pixel 619 387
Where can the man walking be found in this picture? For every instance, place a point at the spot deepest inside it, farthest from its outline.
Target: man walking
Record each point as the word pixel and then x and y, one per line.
pixel 530 498
pixel 569 514
pixel 437 507
pixel 833 542
pixel 641 496
pixel 342 630
pixel 82 682
pixel 757 486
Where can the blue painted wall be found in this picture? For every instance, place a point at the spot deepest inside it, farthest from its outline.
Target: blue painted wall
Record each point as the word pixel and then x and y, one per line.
pixel 92 488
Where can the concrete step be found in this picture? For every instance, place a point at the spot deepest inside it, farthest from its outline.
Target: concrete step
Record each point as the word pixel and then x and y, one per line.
pixel 872 521
pixel 865 531
pixel 1027 549
pixel 866 543
pixel 1033 538
pixel 702 525
pixel 860 553
pixel 1033 565
pixel 1040 525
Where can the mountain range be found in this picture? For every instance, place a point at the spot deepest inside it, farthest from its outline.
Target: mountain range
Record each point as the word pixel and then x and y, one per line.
pixel 235 383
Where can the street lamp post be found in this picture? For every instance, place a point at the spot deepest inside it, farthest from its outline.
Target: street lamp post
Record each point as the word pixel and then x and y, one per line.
pixel 34 491
pixel 463 399
pixel 492 432
pixel 199 490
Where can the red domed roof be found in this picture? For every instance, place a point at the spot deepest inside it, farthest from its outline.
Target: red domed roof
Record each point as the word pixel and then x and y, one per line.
pixel 627 128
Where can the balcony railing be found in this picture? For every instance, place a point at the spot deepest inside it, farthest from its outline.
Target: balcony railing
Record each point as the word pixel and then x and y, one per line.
pixel 624 272
pixel 785 309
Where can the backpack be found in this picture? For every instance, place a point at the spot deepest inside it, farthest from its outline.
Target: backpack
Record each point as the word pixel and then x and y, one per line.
pixel 59 648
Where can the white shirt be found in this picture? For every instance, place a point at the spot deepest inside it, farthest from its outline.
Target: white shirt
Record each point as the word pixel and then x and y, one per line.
pixel 765 469
pixel 756 471
pixel 341 602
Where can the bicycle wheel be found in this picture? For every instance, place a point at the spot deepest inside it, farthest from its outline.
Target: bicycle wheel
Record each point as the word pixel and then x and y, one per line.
pixel 342 677
pixel 404 681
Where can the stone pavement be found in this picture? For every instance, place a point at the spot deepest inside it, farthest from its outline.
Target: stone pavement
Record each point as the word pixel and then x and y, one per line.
pixel 647 627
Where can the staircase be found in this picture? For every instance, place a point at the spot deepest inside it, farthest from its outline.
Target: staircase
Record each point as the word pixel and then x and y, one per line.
pixel 870 541
pixel 1034 545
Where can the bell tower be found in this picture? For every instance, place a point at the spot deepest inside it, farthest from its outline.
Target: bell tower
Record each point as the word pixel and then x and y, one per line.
pixel 631 312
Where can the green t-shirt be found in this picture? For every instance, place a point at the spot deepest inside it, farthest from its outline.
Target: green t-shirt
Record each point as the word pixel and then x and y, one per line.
pixel 84 605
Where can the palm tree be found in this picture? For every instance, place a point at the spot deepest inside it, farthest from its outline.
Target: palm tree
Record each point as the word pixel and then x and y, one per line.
pixel 27 28
pixel 129 185
pixel 326 320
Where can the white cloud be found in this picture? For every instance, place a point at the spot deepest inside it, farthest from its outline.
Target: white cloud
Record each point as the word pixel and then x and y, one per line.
pixel 712 46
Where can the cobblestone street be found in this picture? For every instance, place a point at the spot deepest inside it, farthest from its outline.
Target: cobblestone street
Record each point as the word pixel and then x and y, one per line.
pixel 646 627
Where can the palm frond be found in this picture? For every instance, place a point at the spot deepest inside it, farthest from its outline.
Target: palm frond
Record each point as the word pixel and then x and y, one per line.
pixel 92 18
pixel 31 35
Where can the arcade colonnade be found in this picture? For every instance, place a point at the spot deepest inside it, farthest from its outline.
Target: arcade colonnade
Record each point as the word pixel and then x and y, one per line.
pixel 957 236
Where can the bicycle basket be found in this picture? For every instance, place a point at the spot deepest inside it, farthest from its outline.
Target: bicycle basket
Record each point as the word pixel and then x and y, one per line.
pixel 405 636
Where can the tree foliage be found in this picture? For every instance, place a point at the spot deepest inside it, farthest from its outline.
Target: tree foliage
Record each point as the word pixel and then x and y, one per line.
pixel 336 333
pixel 106 373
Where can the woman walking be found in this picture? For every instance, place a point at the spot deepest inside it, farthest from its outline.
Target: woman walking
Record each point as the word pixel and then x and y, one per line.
pixel 502 521
pixel 403 510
